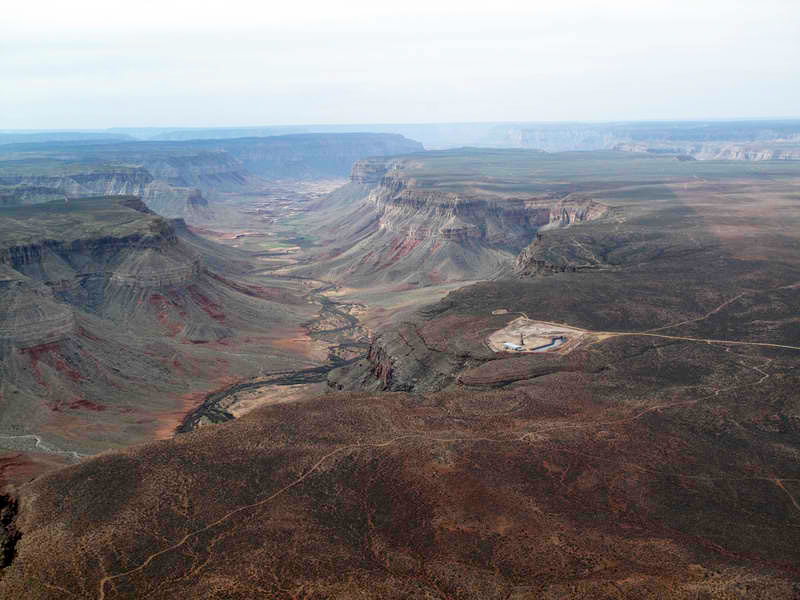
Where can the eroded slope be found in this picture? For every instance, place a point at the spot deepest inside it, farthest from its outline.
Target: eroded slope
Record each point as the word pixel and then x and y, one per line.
pixel 114 323
pixel 390 225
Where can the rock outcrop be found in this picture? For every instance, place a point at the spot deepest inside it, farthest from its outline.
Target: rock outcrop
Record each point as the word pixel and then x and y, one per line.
pixel 419 214
pixel 77 180
pixel 391 226
pixel 709 140
pixel 113 322
pixel 530 262
pixel 718 151
pixel 30 315
pixel 72 264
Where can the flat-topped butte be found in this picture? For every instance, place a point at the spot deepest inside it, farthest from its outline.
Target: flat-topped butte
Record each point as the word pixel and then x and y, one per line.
pixel 77 219
pixel 511 173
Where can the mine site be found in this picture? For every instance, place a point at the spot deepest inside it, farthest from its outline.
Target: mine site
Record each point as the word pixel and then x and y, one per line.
pixel 524 335
pixel 488 327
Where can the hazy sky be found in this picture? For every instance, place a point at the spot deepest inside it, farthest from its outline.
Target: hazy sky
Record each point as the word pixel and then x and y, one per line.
pixel 95 64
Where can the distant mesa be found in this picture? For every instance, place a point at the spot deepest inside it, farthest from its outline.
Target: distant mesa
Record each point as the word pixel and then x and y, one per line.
pixel 173 176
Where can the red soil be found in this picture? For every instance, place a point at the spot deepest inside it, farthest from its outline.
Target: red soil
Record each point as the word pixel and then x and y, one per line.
pixel 82 403
pixel 51 351
pixel 403 247
pixel 17 468
pixel 168 422
pixel 161 305
pixel 211 308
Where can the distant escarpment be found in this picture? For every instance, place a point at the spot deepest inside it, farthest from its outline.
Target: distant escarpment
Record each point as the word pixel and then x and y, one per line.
pixel 173 176
pixel 709 140
pixel 314 156
pixel 369 171
pixel 748 152
pixel 43 181
pixel 718 151
pixel 73 180
pixel 392 227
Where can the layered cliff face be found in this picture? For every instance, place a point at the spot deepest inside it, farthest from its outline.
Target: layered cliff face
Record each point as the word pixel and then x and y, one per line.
pixel 202 169
pixel 393 228
pixel 43 275
pixel 419 214
pixel 169 184
pixel 30 315
pixel 711 140
pixel 370 171
pixel 113 322
pixel 763 151
pixel 77 180
pixel 748 152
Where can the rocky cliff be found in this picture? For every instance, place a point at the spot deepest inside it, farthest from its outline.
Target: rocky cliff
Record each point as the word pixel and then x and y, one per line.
pixel 77 180
pixel 391 226
pixel 91 242
pixel 718 151
pixel 418 213
pixel 748 152
pixel 30 315
pixel 113 323
pixel 65 266
pixel 708 140
pixel 539 259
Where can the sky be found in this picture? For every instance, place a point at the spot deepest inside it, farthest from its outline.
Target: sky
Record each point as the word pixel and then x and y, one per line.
pixel 175 63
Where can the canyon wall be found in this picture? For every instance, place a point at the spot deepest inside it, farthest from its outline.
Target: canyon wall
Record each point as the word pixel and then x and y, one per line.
pixel 418 214
pixel 718 151
pixel 388 226
pixel 31 315
pixel 177 179
pixel 711 140
pixel 79 181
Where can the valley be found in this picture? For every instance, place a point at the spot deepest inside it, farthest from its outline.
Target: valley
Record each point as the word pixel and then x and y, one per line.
pixel 339 356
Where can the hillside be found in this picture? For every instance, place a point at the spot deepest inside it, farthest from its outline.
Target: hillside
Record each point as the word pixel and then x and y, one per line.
pixel 576 492
pixel 115 322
